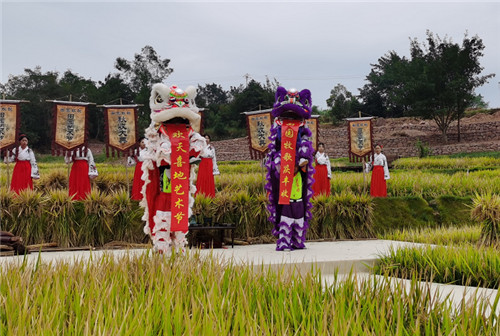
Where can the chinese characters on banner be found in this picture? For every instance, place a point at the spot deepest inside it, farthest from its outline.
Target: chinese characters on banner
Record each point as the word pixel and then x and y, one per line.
pixel 179 140
pixel 9 124
pixel 360 132
pixel 259 130
pixel 121 129
pixel 70 126
pixel 289 131
pixel 259 125
pixel 312 124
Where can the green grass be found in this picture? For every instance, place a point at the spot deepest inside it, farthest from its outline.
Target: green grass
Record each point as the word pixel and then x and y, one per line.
pixel 452 210
pixel 156 295
pixel 393 213
pixel 475 154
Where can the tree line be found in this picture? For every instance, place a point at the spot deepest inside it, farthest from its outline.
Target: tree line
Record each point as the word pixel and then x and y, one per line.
pixel 436 82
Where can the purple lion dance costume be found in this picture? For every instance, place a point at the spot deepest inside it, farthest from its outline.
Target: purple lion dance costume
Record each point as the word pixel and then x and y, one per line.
pixel 289 168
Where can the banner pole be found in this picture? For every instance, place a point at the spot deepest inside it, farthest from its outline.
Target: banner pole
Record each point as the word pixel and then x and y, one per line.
pixel 68 172
pixel 364 175
pixel 262 163
pixel 126 178
pixel 8 172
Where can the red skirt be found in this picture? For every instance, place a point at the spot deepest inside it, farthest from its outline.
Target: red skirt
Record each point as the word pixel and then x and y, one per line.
pixel 205 183
pixel 321 183
pixel 21 177
pixel 378 187
pixel 79 181
pixel 138 183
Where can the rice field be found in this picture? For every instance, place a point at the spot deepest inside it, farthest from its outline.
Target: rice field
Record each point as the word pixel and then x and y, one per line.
pixel 189 295
pixel 152 294
pixel 244 177
pixel 466 235
pixel 465 265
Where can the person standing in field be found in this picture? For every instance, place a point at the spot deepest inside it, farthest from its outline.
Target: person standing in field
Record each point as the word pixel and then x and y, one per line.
pixel 205 183
pixel 82 171
pixel 25 169
pixel 137 161
pixel 322 173
pixel 380 173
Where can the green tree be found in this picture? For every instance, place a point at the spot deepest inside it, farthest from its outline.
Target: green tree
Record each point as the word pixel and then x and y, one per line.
pixel 113 90
pixel 36 116
pixel 225 120
pixel 379 95
pixel 146 69
pixel 448 74
pixel 437 82
pixel 342 103
pixel 211 97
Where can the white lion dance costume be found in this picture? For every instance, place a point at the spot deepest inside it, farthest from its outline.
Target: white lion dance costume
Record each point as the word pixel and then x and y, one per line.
pixel 172 145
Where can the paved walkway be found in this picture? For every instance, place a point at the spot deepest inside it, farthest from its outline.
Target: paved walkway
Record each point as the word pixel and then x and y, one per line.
pixel 329 257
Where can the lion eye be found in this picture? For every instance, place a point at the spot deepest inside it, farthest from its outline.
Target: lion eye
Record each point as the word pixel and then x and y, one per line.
pixel 158 99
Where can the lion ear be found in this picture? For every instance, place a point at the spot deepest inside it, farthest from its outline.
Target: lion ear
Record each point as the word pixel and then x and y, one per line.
pixel 280 93
pixel 305 97
pixel 191 91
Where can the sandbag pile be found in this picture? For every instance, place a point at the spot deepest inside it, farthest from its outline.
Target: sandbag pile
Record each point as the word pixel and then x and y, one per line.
pixel 11 245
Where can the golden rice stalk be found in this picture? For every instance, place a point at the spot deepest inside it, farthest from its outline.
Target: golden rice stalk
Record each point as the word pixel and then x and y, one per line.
pixel 486 210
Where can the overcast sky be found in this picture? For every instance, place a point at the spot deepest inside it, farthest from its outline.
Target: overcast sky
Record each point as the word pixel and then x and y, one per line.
pixel 314 45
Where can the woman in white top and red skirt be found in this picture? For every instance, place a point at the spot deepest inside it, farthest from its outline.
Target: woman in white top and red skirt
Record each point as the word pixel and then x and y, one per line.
pixel 82 171
pixel 322 173
pixel 25 169
pixel 380 173
pixel 205 183
pixel 137 161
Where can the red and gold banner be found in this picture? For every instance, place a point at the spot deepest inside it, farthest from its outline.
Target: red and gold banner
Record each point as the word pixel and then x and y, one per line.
pixel 259 129
pixel 70 126
pixel 179 140
pixel 360 132
pixel 9 124
pixel 289 131
pixel 312 124
pixel 121 129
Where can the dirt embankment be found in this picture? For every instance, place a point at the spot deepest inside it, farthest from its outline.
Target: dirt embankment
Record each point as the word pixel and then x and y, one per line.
pixel 399 137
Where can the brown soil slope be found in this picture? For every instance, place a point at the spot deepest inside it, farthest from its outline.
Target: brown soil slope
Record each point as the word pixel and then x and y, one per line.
pixel 479 133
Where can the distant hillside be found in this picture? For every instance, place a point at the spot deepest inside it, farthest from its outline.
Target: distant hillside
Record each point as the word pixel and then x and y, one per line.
pixel 399 136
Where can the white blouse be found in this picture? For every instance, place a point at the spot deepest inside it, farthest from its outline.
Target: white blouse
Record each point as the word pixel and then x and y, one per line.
pixel 89 157
pixel 323 159
pixel 26 155
pixel 132 160
pixel 209 152
pixel 379 160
